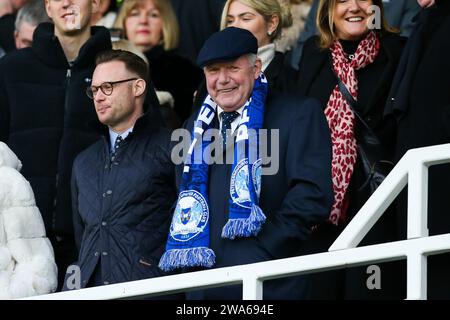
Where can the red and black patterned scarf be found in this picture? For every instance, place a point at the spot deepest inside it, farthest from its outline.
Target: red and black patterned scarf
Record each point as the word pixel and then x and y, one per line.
pixel 341 118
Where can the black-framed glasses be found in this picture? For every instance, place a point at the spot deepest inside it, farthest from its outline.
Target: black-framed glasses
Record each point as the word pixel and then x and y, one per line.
pixel 105 87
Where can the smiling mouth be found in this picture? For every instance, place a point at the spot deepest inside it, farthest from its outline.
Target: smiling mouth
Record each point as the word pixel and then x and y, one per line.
pixel 354 19
pixel 69 14
pixel 226 90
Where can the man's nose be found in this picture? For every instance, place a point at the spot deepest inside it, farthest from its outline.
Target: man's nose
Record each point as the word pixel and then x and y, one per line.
pixel 223 76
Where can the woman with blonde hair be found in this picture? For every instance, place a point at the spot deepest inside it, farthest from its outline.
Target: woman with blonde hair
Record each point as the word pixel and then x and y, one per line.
pixel 151 25
pixel 265 19
pixel 349 68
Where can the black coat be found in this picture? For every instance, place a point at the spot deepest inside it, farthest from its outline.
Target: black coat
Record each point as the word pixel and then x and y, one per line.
pixel 122 210
pixel 421 101
pixel 198 19
pixel 173 73
pixel 317 79
pixel 7 28
pixel 294 199
pixel 44 113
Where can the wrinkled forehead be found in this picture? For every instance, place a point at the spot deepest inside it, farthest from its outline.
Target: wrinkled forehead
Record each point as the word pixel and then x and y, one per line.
pixel 241 61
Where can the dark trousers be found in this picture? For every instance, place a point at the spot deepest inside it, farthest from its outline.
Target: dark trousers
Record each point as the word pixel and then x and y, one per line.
pixel 66 253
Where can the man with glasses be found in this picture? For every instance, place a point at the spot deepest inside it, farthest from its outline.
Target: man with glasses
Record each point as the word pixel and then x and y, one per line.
pixel 123 186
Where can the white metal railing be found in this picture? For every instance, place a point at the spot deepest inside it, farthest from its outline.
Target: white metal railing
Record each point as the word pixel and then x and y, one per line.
pixel 412 169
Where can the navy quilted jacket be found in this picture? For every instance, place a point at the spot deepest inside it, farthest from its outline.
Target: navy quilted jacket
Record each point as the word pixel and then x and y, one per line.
pixel 122 209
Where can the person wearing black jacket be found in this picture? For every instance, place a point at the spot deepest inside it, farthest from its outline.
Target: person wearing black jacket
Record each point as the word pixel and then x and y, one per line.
pixel 196 31
pixel 420 101
pixel 7 32
pixel 294 198
pixel 44 111
pixel 324 58
pixel 123 186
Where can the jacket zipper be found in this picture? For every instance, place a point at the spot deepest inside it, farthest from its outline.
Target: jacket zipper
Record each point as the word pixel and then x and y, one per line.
pixel 66 107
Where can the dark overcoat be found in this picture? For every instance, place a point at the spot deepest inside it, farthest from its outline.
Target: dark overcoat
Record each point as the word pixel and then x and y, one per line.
pixel 295 199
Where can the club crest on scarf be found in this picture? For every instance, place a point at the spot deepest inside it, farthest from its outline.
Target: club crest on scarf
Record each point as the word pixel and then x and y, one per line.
pixel 240 183
pixel 256 175
pixel 190 216
pixel 188 240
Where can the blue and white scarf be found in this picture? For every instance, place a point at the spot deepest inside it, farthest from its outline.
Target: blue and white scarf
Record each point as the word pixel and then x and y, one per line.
pixel 188 241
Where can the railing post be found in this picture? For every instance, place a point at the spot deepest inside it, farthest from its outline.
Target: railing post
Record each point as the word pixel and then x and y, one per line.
pixel 417 200
pixel 416 276
pixel 252 288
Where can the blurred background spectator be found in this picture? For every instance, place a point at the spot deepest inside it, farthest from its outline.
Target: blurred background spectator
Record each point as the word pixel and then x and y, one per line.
pixel 27 20
pixel 106 14
pixel 7 20
pixel 289 35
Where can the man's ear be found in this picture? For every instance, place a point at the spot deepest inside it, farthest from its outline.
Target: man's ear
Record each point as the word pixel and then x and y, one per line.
pixel 258 68
pixel 139 87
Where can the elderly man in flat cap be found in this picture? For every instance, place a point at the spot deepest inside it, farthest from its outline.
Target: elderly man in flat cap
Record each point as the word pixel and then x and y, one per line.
pixel 235 213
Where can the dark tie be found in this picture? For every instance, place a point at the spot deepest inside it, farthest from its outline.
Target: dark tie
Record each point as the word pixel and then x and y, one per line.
pixel 227 119
pixel 116 147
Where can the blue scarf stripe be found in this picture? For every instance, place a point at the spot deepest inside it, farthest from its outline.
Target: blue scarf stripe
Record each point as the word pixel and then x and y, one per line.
pixel 188 240
pixel 237 226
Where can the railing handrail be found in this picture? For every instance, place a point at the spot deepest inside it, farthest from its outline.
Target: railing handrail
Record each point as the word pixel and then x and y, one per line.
pixel 412 169
pixel 261 271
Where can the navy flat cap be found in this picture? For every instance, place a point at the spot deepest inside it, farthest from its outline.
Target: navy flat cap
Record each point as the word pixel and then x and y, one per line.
pixel 228 44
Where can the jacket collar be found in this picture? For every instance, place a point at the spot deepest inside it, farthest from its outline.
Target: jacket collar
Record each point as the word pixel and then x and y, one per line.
pixel 266 54
pixel 147 123
pixel 316 60
pixel 273 70
pixel 48 48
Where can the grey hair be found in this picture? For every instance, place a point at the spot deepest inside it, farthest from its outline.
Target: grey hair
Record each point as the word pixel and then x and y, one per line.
pixel 252 58
pixel 33 13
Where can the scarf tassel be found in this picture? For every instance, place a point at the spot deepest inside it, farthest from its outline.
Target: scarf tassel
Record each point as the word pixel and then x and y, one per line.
pixel 192 257
pixel 239 228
